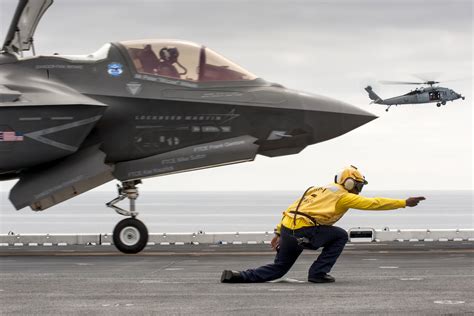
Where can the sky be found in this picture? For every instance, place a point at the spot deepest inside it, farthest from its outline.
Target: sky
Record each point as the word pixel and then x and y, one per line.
pixel 332 48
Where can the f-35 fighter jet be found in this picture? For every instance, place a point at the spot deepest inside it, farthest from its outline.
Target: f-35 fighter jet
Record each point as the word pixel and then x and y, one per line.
pixel 140 109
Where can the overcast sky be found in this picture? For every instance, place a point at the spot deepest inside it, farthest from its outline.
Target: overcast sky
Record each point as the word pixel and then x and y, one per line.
pixel 332 48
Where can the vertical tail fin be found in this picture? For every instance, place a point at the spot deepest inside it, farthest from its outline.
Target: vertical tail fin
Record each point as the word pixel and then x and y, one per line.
pixel 373 96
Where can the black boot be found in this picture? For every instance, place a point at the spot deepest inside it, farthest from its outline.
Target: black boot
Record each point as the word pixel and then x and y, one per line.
pixel 323 278
pixel 229 276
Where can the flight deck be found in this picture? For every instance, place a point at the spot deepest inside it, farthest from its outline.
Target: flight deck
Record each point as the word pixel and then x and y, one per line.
pixel 374 278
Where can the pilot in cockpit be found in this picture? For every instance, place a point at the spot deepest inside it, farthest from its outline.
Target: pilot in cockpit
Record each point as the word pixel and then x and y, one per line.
pixel 168 57
pixel 164 65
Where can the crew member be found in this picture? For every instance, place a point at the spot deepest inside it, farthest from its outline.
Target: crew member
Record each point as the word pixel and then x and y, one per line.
pixel 308 224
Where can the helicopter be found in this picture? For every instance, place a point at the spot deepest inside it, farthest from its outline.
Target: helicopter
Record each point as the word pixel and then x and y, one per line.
pixel 140 109
pixel 429 94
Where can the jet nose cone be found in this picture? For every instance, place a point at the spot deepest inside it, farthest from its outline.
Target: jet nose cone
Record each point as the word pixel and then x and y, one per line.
pixel 330 118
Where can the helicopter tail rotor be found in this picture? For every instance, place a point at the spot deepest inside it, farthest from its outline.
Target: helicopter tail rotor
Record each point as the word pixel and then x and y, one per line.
pixel 373 96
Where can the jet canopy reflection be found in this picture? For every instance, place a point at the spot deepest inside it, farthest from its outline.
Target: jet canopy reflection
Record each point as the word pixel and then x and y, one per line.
pixel 183 60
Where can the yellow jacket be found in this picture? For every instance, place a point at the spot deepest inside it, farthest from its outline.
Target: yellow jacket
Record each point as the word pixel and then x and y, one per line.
pixel 328 204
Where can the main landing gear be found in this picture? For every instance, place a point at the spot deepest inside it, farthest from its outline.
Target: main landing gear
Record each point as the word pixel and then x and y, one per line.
pixel 440 103
pixel 130 235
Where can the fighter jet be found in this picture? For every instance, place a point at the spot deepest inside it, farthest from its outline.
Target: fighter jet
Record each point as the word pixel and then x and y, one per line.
pixel 140 109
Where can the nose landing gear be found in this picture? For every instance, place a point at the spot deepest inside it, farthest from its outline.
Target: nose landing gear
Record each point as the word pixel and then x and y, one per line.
pixel 130 235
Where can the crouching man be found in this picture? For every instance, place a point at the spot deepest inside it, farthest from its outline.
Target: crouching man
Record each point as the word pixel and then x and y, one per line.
pixel 308 224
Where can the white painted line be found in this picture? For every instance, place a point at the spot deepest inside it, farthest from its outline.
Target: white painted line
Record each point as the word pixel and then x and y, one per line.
pixel 399 240
pixel 428 239
pixel 106 244
pixel 383 251
pixel 411 279
pixel 149 281
pixel 413 240
pixel 252 242
pixel 151 243
pixel 33 244
pixel 2 290
pixel 388 267
pixel 62 244
pixel 470 239
pixel 179 243
pixel 174 269
pixel 370 259
pixel 18 244
pixel 443 239
pixel 237 243
pixel 457 239
pixel 4 244
pixel 30 118
pixel 164 243
pixel 128 304
pixel 47 244
pixel 281 290
pixel 449 302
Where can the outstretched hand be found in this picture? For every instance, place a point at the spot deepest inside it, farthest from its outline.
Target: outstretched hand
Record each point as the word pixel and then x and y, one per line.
pixel 413 201
pixel 275 242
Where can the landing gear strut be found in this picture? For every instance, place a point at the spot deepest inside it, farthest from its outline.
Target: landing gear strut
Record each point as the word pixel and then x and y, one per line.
pixel 130 235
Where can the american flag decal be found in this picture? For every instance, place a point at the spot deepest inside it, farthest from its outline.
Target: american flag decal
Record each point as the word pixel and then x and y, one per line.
pixel 11 136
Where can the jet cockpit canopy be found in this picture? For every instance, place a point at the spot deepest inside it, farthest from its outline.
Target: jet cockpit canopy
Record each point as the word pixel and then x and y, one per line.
pixel 183 60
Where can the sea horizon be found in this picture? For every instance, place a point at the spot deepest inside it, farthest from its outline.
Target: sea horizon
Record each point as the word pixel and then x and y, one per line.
pixel 230 211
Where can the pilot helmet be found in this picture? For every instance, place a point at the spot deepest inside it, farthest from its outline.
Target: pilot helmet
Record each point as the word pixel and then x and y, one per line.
pixel 169 54
pixel 350 177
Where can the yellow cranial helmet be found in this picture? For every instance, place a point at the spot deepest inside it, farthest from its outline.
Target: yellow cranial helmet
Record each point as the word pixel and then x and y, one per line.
pixel 350 177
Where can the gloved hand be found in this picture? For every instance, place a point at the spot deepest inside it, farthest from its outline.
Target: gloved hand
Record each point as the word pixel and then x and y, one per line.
pixel 413 201
pixel 275 243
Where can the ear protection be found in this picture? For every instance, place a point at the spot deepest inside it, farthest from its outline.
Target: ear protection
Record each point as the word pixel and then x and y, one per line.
pixel 349 184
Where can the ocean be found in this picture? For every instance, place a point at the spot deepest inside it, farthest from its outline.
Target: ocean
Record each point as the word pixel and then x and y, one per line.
pixel 183 212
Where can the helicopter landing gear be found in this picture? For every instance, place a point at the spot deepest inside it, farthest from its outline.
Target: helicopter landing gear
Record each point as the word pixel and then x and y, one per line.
pixel 443 103
pixel 388 108
pixel 438 104
pixel 130 235
pixel 463 98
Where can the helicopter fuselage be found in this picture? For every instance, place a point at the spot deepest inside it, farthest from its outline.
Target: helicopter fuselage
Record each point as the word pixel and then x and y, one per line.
pixel 424 95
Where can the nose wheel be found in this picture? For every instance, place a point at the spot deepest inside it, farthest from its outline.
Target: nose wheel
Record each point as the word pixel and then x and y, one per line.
pixel 130 235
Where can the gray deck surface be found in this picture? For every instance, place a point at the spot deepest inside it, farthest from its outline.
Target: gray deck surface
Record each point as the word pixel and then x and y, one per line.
pixel 378 279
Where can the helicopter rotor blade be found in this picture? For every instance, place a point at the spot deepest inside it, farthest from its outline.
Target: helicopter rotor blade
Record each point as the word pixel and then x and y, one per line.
pixel 400 82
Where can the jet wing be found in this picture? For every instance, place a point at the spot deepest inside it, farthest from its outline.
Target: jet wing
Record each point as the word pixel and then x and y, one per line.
pixel 22 28
pixel 49 118
pixel 25 87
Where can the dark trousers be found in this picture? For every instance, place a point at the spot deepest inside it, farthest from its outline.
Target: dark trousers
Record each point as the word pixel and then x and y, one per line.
pixel 331 238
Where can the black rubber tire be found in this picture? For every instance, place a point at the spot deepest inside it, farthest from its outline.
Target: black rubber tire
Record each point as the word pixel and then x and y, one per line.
pixel 438 104
pixel 133 225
